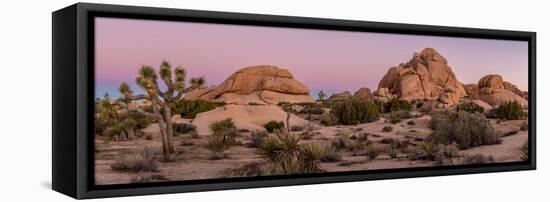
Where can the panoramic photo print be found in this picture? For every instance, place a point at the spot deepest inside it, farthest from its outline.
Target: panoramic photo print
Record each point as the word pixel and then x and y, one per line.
pixel 177 101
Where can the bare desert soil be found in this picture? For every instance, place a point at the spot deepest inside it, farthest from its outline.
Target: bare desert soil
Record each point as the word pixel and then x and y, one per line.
pixel 193 162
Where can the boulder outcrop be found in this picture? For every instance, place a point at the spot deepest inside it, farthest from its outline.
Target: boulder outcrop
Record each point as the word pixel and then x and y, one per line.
pixel 426 76
pixel 262 84
pixel 493 90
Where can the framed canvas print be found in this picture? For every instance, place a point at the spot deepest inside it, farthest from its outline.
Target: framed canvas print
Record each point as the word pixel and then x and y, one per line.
pixel 153 100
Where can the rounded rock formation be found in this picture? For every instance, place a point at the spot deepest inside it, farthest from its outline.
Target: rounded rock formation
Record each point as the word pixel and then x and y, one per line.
pixel 425 76
pixel 340 96
pixel 363 94
pixel 262 84
pixel 493 90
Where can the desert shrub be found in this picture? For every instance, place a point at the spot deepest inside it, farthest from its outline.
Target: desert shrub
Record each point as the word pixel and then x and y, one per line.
pixel 387 129
pixel 143 162
pixel 106 115
pixel 411 123
pixel 148 178
pixel 341 141
pixel 121 127
pixel 429 149
pixel 331 155
pixel 510 110
pixel 478 159
pixel 273 125
pixel 310 157
pixel 397 116
pixel 190 108
pixel 524 155
pixel 355 111
pixel 373 152
pixel 247 170
pixel 257 138
pixel 312 109
pixel 307 132
pixel 286 156
pixel 217 146
pixel 362 137
pixel 182 128
pixel 470 107
pixel 149 137
pixel 444 154
pixel 396 104
pixel 225 130
pixel 328 119
pixel 465 129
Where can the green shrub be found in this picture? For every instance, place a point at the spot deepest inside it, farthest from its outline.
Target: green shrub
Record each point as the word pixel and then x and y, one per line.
pixel 478 159
pixel 444 154
pixel 121 126
pixel 312 109
pixel 465 129
pixel 310 157
pixel 510 110
pixel 217 145
pixel 469 107
pixel 225 130
pixel 373 152
pixel 143 162
pixel 257 138
pixel 190 108
pixel 355 111
pixel 397 116
pixel 273 125
pixel 183 128
pixel 328 119
pixel 331 155
pixel 396 104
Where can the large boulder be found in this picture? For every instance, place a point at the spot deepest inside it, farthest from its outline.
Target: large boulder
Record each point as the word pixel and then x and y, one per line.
pixel 262 84
pixel 426 76
pixel 340 96
pixel 363 94
pixel 245 117
pixel 493 90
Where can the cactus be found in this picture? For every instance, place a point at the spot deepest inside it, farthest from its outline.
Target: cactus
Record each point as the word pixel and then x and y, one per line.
pixel 160 100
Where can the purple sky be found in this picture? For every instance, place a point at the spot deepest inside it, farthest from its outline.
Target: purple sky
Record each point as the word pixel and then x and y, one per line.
pixel 332 61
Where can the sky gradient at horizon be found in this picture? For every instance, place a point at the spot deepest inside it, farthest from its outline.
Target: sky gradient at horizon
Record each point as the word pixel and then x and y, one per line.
pixel 332 61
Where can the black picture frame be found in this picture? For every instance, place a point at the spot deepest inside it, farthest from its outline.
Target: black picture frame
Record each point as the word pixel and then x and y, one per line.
pixel 73 99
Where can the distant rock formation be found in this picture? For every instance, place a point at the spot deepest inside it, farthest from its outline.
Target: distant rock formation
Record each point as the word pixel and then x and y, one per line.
pixel 262 84
pixel 425 76
pixel 493 90
pixel 340 96
pixel 363 94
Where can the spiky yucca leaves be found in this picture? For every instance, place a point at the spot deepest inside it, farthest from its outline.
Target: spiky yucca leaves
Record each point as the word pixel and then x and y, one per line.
pixel 525 152
pixel 161 101
pixel 310 157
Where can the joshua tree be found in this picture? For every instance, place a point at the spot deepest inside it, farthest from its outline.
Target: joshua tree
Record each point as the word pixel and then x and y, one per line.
pixel 322 96
pixel 160 101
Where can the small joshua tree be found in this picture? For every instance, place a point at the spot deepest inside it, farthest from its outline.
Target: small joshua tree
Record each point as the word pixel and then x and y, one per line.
pixel 160 100
pixel 322 96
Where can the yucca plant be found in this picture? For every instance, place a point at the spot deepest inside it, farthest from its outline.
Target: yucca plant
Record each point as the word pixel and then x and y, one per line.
pixel 310 157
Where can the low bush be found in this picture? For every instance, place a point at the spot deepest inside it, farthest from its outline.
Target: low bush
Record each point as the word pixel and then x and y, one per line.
pixel 273 125
pixel 373 152
pixel 217 147
pixel 387 129
pixel 396 104
pixel 445 154
pixel 190 108
pixel 143 162
pixel 331 155
pixel 510 110
pixel 257 138
pixel 312 109
pixel 478 159
pixel 355 111
pixel 225 130
pixel 183 128
pixel 328 119
pixel 470 107
pixel 397 116
pixel 465 129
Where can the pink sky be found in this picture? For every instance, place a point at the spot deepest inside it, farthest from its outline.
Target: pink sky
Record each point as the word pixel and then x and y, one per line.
pixel 332 61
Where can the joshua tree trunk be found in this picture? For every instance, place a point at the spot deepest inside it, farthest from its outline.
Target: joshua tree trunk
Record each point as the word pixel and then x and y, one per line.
pixel 169 129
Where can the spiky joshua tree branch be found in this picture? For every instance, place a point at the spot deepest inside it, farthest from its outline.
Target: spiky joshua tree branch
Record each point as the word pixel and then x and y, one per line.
pixel 160 100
